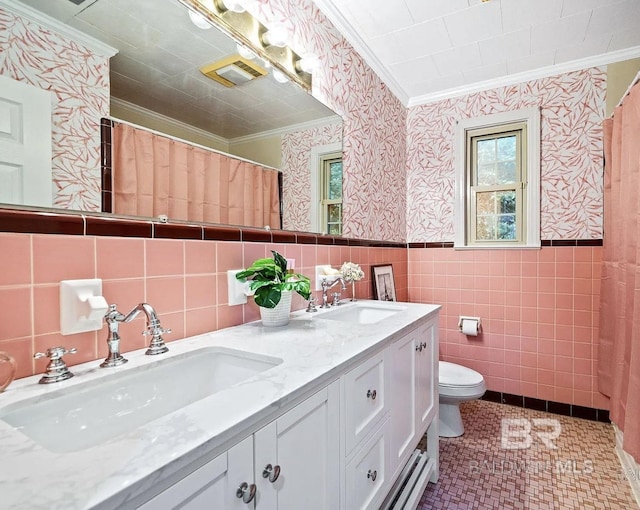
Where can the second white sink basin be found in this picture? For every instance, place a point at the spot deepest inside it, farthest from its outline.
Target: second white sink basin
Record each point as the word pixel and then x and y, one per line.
pixel 362 312
pixel 87 415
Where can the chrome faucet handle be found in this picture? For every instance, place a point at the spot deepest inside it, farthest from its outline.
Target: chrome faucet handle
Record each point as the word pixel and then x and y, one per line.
pixel 157 345
pixel 57 369
pixel 312 305
pixel 336 299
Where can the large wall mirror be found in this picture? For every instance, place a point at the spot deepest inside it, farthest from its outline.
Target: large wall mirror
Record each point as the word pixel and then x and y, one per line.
pixel 156 82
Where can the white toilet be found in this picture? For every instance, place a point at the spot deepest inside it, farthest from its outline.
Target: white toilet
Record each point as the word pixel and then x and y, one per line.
pixel 456 384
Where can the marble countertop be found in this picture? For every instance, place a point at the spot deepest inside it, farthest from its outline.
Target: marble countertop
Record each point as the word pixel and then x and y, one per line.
pixel 113 474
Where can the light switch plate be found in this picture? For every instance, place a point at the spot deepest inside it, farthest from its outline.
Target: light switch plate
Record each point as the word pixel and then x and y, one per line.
pixel 237 294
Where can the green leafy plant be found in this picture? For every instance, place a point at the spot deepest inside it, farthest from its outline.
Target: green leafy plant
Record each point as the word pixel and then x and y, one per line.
pixel 268 279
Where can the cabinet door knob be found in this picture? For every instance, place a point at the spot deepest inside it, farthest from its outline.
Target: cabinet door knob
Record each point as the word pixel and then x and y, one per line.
pixel 372 475
pixel 271 472
pixel 246 492
pixel 419 348
pixel 372 394
pixel 423 345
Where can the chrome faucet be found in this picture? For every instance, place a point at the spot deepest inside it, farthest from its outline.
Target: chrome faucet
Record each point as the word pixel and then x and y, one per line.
pixel 113 318
pixel 326 286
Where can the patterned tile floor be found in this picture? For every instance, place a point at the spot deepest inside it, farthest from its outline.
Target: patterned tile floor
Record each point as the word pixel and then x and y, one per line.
pixel 478 472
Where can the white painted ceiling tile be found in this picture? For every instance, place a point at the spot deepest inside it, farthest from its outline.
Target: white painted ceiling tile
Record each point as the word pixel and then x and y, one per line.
pixel 455 60
pixel 375 17
pixel 589 47
pixel 422 10
pixel 415 71
pixel 436 85
pixel 625 39
pixel 535 61
pixel 569 31
pixel 474 24
pixel 520 14
pixel 613 18
pixel 422 39
pixel 510 46
pixel 570 7
pixel 483 73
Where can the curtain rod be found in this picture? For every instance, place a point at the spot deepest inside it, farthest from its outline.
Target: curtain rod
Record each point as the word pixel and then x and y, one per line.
pixel 194 144
pixel 633 82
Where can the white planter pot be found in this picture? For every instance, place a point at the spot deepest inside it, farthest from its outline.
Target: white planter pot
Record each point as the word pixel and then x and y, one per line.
pixel 278 316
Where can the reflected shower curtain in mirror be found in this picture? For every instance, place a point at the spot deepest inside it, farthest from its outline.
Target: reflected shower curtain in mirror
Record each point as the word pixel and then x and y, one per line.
pixel 154 175
pixel 619 349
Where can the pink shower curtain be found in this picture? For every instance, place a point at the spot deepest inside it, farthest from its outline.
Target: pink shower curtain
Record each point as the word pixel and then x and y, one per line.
pixel 154 175
pixel 619 356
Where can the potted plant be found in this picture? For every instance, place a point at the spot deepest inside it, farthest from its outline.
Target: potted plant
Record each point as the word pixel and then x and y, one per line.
pixel 272 287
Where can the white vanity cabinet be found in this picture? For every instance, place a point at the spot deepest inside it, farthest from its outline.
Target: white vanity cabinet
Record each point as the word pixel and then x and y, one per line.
pixel 414 395
pixel 293 462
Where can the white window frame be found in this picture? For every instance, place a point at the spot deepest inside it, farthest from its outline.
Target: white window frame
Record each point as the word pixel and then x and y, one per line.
pixel 531 235
pixel 318 154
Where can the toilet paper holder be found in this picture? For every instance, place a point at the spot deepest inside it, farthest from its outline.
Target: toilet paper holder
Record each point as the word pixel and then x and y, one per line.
pixel 477 320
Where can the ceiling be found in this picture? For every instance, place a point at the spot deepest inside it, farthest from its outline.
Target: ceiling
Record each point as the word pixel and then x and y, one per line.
pixel 157 66
pixel 426 50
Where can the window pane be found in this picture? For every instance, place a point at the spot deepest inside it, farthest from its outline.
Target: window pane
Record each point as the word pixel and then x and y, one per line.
pixel 486 151
pixel 334 213
pixel 335 229
pixel 335 180
pixel 507 148
pixel 507 226
pixel 507 202
pixel 486 202
pixel 506 172
pixel 487 175
pixel 485 228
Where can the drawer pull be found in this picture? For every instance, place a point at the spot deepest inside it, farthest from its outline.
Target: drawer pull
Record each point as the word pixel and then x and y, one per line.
pixel 372 394
pixel 372 475
pixel 246 492
pixel 271 472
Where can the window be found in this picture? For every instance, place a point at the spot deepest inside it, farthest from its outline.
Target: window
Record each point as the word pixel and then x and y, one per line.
pixel 325 166
pixel 331 201
pixel 497 180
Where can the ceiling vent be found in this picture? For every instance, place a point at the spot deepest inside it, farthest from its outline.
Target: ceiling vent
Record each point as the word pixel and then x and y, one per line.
pixel 233 70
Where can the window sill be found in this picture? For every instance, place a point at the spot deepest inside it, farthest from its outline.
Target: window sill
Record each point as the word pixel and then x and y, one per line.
pixel 497 247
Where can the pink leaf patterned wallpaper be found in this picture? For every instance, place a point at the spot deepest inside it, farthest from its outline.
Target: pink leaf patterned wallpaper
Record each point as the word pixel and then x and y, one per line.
pixel 296 150
pixel 374 127
pixel 80 81
pixel 572 108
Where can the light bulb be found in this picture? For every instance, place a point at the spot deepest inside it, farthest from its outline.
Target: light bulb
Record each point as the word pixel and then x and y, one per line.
pixel 245 52
pixel 199 20
pixel 307 64
pixel 279 76
pixel 276 36
pixel 232 5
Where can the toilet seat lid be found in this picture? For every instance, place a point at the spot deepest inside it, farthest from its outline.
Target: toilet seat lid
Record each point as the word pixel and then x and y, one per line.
pixel 457 375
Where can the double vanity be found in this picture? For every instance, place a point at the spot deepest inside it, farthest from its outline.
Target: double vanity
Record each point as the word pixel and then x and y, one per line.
pixel 325 413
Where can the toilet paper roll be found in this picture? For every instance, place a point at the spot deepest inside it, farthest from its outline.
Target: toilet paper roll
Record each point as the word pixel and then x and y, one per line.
pixel 470 327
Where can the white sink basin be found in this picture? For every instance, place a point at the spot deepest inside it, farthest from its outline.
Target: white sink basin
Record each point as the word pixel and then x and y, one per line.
pixel 362 313
pixel 87 415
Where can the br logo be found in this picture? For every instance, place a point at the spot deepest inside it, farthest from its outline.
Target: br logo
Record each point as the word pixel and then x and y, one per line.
pixel 519 433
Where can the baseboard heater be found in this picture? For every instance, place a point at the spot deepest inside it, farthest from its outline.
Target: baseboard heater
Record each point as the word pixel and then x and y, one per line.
pixel 410 485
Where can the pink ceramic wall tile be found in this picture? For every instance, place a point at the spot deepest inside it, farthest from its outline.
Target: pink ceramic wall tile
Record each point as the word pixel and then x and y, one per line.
pixel 15 259
pixel 200 257
pixel 229 316
pixel 119 257
pixel 229 256
pixel 15 303
pixel 200 291
pixel 46 309
pixel 175 321
pixel 164 257
pixel 201 320
pixel 57 258
pixel 125 293
pixel 166 295
pixel 21 349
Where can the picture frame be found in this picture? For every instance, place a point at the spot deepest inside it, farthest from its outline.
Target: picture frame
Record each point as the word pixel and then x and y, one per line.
pixel 384 284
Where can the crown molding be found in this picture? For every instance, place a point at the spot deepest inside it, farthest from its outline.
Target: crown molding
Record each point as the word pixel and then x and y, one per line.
pixel 93 44
pixel 350 34
pixel 287 129
pixel 536 74
pixel 139 110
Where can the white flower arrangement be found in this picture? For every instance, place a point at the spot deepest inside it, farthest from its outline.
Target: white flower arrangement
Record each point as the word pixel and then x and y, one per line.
pixel 351 272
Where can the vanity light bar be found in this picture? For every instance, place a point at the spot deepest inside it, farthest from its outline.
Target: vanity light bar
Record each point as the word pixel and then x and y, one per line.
pixel 247 30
